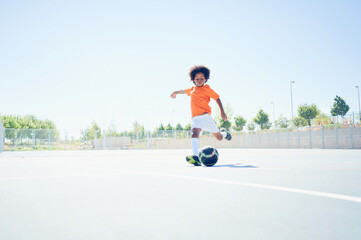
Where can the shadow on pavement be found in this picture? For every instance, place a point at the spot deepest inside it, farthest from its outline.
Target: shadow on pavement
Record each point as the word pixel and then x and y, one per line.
pixel 236 165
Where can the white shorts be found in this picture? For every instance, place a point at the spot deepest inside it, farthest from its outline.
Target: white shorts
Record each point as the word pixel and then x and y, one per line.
pixel 205 122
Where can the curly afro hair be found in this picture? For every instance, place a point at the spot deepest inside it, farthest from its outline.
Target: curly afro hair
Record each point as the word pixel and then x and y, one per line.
pixel 199 69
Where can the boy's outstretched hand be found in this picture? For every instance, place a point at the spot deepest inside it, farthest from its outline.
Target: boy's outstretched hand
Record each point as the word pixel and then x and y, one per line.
pixel 173 95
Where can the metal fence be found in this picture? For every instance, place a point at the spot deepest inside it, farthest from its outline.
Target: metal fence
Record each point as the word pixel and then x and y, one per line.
pixel 352 117
pixel 2 137
pixel 345 136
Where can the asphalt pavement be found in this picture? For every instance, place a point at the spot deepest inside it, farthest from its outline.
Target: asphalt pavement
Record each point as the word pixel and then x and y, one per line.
pixel 155 194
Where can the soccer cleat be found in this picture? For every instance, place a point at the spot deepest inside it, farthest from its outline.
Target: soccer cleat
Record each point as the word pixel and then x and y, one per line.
pixel 193 160
pixel 228 136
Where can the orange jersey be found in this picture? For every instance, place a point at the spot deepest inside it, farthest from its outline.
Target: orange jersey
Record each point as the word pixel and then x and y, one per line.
pixel 200 98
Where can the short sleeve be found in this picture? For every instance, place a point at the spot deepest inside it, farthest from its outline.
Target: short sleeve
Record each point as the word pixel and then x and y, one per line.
pixel 212 94
pixel 188 91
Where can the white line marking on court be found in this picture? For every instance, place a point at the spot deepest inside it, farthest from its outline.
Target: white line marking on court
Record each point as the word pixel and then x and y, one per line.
pixel 269 168
pixel 54 176
pixel 263 186
pixel 255 185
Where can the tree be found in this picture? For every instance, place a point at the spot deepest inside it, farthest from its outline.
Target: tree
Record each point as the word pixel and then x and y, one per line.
pixel 28 122
pixel 225 124
pixel 251 126
pixel 239 123
pixel 340 108
pixel 90 132
pixel 188 127
pixel 48 124
pixel 138 127
pixel 219 120
pixel 112 131
pixel 308 112
pixel 160 128
pixel 262 119
pixel 322 119
pixel 168 127
pixel 299 122
pixel 282 122
pixel 45 125
pixel 12 122
pixel 179 127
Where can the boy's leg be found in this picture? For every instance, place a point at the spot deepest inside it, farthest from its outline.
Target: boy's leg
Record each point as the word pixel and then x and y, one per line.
pixel 210 126
pixel 218 135
pixel 195 140
pixel 195 144
pixel 223 133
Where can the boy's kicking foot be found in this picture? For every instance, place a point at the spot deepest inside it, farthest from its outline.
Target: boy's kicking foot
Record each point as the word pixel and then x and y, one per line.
pixel 193 160
pixel 228 136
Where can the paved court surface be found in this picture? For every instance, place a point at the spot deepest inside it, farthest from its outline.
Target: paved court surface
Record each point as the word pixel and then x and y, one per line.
pixel 155 194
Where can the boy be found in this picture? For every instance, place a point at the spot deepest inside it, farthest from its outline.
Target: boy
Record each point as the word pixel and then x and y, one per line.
pixel 201 111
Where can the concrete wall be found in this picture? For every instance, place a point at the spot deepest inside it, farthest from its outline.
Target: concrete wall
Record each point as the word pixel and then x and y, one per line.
pixel 347 137
pixel 328 137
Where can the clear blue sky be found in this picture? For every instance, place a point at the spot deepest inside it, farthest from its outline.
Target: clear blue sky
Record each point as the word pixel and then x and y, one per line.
pixel 117 62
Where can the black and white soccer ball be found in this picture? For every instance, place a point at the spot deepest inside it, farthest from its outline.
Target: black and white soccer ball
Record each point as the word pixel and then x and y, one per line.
pixel 208 156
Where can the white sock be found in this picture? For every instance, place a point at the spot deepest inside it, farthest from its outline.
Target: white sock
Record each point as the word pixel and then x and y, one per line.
pixel 195 144
pixel 224 134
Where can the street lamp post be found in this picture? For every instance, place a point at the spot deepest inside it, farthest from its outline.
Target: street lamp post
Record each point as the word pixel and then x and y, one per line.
pixel 358 94
pixel 172 119
pixel 291 100
pixel 274 115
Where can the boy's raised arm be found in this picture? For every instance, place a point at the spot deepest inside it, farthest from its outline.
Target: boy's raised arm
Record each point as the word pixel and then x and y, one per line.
pixel 174 94
pixel 223 114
